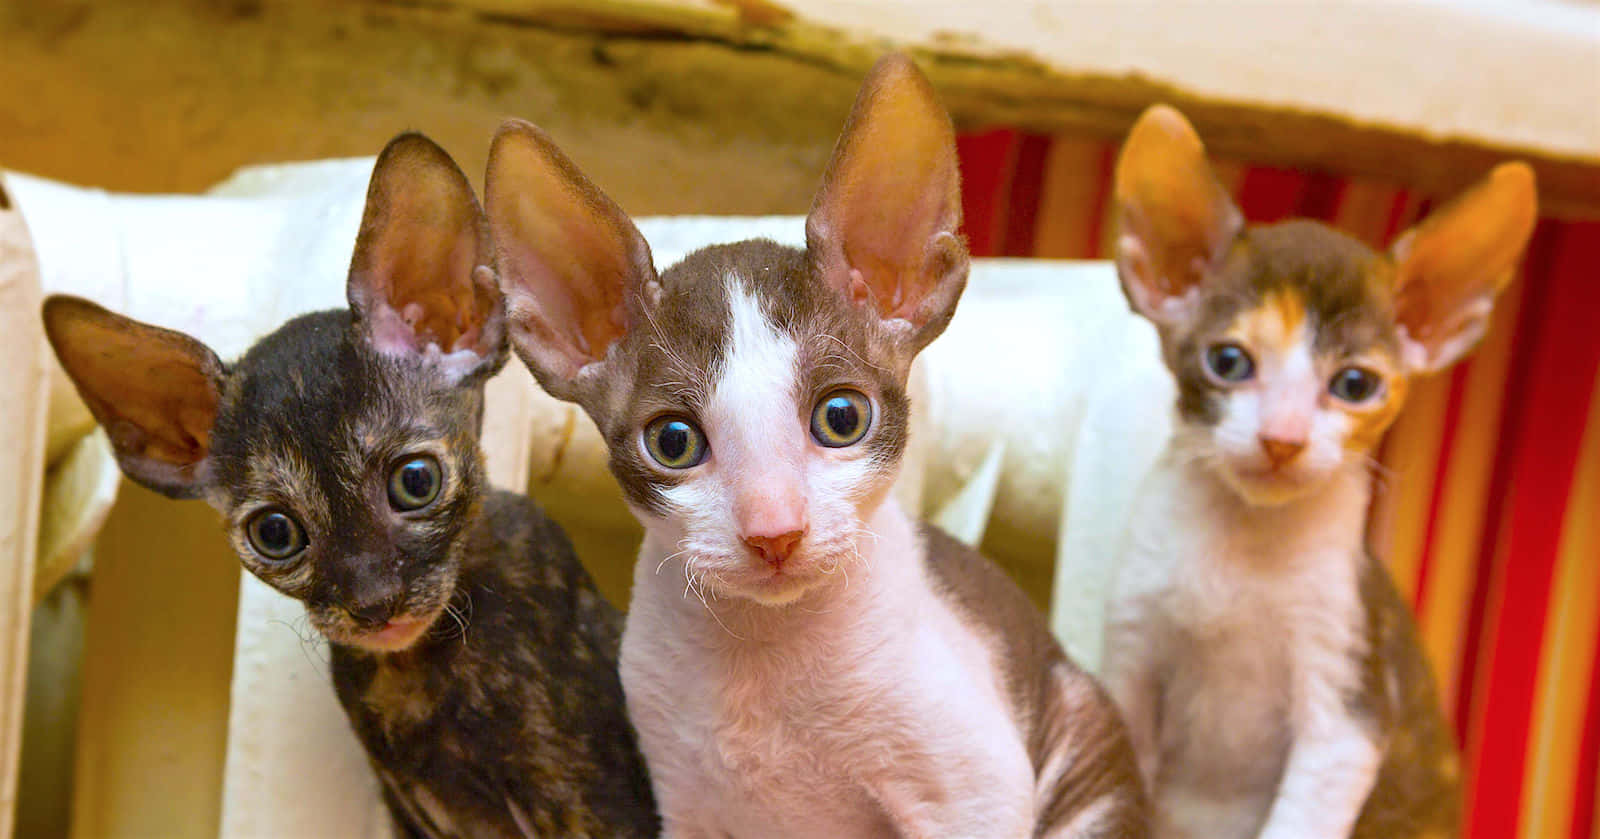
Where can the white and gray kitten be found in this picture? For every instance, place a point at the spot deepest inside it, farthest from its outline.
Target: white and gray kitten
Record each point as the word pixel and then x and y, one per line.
pixel 803 658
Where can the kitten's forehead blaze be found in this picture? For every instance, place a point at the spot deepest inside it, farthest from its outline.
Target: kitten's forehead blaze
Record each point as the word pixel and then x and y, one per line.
pixel 726 305
pixel 310 420
pixel 1280 286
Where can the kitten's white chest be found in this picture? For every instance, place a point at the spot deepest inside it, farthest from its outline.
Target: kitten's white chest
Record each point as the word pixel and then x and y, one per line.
pixel 833 734
pixel 1232 600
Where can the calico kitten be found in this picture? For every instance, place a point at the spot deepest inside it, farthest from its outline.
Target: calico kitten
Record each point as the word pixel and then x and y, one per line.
pixel 472 652
pixel 1268 669
pixel 802 658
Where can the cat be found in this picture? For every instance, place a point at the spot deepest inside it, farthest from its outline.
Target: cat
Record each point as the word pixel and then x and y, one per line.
pixel 1269 671
pixel 472 652
pixel 801 657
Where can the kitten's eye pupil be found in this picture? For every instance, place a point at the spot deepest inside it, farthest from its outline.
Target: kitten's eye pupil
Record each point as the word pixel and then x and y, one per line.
pixel 675 442
pixel 275 535
pixel 276 531
pixel 1353 384
pixel 1230 362
pixel 841 418
pixel 414 483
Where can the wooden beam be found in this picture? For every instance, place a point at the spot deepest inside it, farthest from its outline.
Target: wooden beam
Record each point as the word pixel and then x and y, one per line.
pixel 1429 96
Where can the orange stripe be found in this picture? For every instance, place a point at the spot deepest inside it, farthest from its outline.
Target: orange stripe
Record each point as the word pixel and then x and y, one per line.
pixel 1568 654
pixel 1464 503
pixel 1069 200
pixel 1364 211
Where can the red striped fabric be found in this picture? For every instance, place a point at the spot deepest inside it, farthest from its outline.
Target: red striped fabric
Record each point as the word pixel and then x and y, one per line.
pixel 1496 628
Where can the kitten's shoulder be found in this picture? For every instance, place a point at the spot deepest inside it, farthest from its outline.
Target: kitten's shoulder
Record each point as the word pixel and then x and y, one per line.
pixel 984 594
pixel 1075 737
pixel 532 552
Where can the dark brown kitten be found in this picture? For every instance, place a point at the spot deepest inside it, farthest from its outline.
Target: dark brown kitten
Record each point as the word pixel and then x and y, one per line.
pixel 470 649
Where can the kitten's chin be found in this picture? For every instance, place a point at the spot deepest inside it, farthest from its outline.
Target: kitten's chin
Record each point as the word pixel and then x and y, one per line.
pixel 395 636
pixel 767 588
pixel 1269 487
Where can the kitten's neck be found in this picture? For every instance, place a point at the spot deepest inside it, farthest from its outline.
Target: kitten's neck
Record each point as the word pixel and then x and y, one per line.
pixel 863 593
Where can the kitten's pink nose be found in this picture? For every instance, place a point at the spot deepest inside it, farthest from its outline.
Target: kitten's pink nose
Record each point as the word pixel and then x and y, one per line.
pixel 1280 450
pixel 776 549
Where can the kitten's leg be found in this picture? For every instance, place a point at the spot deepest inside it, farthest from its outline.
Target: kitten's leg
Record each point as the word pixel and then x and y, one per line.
pixel 671 829
pixel 1132 675
pixel 1333 763
pixel 916 811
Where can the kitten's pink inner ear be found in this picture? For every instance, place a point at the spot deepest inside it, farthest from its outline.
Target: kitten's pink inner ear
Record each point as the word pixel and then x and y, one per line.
pixel 1459 257
pixel 155 392
pixel 415 269
pixel 891 191
pixel 1176 219
pixel 568 256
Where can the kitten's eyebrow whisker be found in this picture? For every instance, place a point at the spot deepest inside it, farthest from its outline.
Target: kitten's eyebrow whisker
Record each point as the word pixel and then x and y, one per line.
pixel 824 336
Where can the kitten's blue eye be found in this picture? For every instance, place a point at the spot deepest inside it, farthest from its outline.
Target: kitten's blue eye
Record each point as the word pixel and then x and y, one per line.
pixel 1230 363
pixel 275 534
pixel 675 442
pixel 1354 384
pixel 414 483
pixel 841 418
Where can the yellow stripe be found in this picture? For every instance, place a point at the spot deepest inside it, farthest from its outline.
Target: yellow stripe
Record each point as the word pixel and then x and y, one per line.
pixel 1067 196
pixel 1463 504
pixel 1400 521
pixel 1565 662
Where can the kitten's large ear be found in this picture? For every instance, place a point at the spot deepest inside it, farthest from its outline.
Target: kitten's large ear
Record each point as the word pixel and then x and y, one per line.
pixel 575 270
pixel 1175 222
pixel 420 283
pixel 883 228
pixel 1451 266
pixel 154 391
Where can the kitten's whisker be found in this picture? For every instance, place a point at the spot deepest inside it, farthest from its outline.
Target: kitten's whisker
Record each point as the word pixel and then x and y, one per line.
pixel 670 557
pixel 714 616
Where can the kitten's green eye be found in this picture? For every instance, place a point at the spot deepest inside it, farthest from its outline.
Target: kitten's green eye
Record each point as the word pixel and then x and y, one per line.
pixel 1230 363
pixel 841 418
pixel 1354 384
pixel 275 534
pixel 675 442
pixel 414 483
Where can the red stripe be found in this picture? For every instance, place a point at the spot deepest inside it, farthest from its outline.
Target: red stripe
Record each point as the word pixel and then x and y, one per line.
pixel 1105 174
pixel 1397 209
pixel 1587 773
pixel 1565 358
pixel 1269 194
pixel 1513 408
pixel 1320 200
pixel 1027 184
pixel 1447 442
pixel 987 160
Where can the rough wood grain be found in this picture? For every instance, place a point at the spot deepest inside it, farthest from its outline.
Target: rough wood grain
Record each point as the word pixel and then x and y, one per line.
pixel 731 106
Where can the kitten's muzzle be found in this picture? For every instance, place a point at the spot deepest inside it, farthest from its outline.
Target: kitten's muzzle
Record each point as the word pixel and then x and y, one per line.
pixel 775 550
pixel 374 615
pixel 1281 450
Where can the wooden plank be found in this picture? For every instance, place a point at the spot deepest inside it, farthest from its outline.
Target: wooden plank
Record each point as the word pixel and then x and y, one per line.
pixel 1431 98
